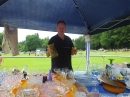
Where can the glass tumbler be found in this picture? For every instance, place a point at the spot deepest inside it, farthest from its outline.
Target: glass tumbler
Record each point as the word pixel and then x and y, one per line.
pixel 123 95
pixel 95 85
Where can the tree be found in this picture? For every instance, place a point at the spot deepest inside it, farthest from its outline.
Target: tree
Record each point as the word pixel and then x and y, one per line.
pixel 22 46
pixel 105 40
pixel 44 42
pixel 32 42
pixel 95 41
pixel 116 38
pixel 111 39
pixel 80 43
pixel 1 38
pixel 125 37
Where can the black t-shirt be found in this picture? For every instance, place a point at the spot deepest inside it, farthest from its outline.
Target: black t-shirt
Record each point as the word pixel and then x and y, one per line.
pixel 63 48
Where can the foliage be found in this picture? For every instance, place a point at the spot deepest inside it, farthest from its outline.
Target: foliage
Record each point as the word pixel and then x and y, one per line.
pixel 44 42
pixel 112 39
pixel 22 46
pixel 80 43
pixel 95 41
pixel 1 38
pixel 32 42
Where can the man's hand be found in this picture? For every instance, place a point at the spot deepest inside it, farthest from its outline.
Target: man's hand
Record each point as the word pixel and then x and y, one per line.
pixel 74 51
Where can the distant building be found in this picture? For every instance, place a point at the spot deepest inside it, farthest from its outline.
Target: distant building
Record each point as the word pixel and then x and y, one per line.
pixel 40 52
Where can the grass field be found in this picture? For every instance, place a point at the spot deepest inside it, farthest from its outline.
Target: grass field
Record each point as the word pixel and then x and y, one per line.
pixel 78 61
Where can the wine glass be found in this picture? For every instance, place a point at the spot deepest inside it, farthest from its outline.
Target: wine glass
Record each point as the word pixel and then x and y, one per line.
pixel 65 69
pixel 54 89
pixel 70 74
pixel 57 70
pixel 123 95
pixel 95 71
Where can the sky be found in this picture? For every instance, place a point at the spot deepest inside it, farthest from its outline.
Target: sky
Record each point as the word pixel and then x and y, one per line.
pixel 22 33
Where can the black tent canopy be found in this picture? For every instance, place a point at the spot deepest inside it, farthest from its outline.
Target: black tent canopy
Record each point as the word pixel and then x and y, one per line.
pixel 81 16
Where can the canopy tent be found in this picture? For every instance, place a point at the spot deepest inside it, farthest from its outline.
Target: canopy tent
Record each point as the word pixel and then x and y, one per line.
pixel 85 17
pixel 81 16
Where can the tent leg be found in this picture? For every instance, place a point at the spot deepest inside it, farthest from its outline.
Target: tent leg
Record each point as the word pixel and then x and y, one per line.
pixel 87 41
pixel 85 73
pixel 87 55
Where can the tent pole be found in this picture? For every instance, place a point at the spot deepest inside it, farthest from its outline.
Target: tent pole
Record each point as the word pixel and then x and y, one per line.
pixel 87 41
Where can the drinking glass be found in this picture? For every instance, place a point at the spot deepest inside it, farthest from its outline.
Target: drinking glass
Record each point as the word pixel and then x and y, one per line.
pixel 93 94
pixel 35 79
pixel 1 77
pixel 95 85
pixel 127 81
pixel 54 89
pixel 6 94
pixel 95 71
pixel 70 74
pixel 57 70
pixel 108 95
pixel 80 94
pixel 29 91
pixel 65 69
pixel 123 95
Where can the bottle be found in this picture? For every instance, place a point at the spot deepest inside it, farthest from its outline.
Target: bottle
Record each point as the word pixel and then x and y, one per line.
pixel 53 51
pixel 50 76
pixel 25 72
pixel 44 79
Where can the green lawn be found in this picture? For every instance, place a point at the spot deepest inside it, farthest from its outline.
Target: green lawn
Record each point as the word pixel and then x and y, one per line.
pixel 79 61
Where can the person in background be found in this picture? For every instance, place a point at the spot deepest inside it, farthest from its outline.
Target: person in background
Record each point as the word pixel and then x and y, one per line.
pixel 29 53
pixel 64 47
pixel 1 60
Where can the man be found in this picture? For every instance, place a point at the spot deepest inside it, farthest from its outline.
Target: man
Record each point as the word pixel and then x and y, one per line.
pixel 64 46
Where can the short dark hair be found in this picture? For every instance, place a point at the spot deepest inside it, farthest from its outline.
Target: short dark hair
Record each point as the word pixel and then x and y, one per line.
pixel 61 21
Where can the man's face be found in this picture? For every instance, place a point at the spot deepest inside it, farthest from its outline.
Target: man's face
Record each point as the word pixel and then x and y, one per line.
pixel 61 28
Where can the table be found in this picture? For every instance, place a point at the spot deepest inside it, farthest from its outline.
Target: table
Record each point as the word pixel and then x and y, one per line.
pixel 87 80
pixel 103 91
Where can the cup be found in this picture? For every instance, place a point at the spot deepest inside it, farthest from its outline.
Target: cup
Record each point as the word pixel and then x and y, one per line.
pixel 29 91
pixel 123 95
pixel 108 95
pixel 94 94
pixel 74 50
pixel 95 84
